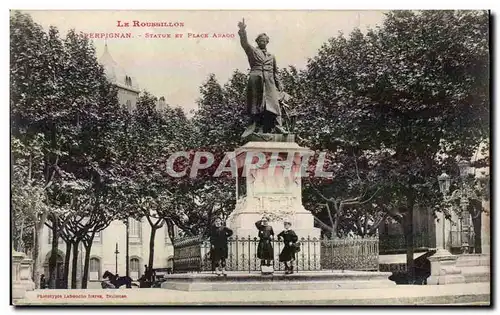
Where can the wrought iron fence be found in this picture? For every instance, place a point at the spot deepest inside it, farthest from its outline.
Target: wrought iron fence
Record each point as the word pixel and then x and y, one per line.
pixel 353 253
pixel 187 254
pixel 242 255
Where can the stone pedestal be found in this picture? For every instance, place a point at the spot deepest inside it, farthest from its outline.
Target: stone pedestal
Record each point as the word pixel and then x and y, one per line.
pixel 443 264
pixel 21 275
pixel 272 172
pixel 273 179
pixel 444 269
pixel 443 228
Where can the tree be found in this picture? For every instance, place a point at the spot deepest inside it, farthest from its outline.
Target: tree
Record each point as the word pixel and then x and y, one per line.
pixel 33 85
pixel 221 112
pixel 61 98
pixel 355 198
pixel 416 87
pixel 151 135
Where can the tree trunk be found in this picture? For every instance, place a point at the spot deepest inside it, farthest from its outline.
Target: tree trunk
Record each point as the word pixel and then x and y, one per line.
pixel 85 276
pixel 170 230
pixel 475 210
pixel 476 224
pixel 20 243
pixel 53 254
pixel 67 258
pixel 36 254
pixel 74 265
pixel 151 251
pixel 335 226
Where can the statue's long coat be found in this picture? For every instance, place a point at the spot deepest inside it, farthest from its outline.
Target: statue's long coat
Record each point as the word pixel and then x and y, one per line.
pixel 263 83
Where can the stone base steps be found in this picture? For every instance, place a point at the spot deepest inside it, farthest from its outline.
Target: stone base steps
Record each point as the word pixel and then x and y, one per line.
pixel 283 286
pixel 336 280
pixel 472 260
pixel 476 274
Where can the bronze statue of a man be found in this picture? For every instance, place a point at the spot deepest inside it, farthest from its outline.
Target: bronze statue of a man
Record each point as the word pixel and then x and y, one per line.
pixel 263 88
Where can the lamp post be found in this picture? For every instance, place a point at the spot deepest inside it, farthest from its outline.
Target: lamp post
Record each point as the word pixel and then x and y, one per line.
pixel 463 166
pixel 116 259
pixel 444 186
pixel 443 263
pixel 463 194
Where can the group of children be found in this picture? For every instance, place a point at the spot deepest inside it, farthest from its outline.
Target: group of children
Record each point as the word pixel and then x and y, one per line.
pixel 219 246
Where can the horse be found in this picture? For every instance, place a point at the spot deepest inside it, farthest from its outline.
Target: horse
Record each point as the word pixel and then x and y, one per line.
pixel 118 281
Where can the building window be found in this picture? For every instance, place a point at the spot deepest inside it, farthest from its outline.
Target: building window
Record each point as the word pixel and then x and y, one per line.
pixel 97 237
pixel 129 105
pixel 95 269
pixel 135 266
pixel 128 81
pixel 134 230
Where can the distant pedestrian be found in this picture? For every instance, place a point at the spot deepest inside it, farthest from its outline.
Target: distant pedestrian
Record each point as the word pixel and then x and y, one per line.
pixel 43 282
pixel 219 234
pixel 287 254
pixel 148 274
pixel 265 250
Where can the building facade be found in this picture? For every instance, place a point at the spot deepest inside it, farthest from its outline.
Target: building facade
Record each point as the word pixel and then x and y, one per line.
pixel 128 89
pixel 104 255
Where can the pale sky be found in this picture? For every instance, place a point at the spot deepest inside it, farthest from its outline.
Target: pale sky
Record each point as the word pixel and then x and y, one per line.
pixel 175 68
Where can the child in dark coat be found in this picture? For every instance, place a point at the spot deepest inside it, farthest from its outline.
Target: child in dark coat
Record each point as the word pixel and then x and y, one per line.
pixel 265 250
pixel 219 251
pixel 287 254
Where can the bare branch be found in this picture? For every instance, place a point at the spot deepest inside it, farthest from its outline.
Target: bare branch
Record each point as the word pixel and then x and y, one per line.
pixel 352 203
pixel 158 223
pixel 329 214
pixel 320 194
pixel 149 220
pixel 322 224
pixel 50 226
pixel 356 166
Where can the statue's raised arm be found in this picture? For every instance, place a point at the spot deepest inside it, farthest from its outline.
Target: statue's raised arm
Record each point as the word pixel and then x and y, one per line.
pixel 242 25
pixel 243 35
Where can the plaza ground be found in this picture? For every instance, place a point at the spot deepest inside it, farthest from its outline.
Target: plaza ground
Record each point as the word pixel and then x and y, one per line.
pixel 452 294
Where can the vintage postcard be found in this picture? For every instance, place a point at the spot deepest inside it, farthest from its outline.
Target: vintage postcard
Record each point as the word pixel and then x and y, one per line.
pixel 250 157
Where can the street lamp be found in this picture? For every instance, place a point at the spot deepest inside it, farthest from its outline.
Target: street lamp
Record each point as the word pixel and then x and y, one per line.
pixel 116 259
pixel 462 194
pixel 444 183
